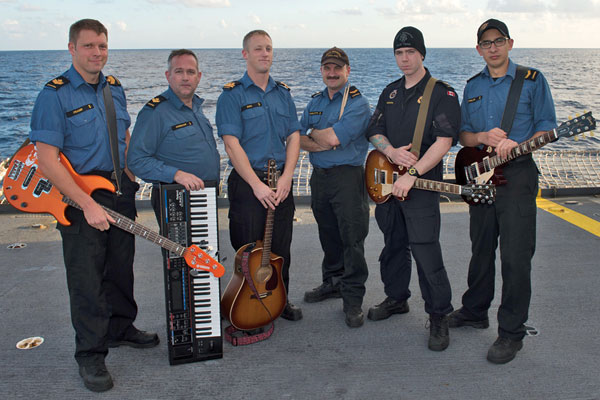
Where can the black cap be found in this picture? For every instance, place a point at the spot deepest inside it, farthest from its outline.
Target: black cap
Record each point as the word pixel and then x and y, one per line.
pixel 410 36
pixel 492 24
pixel 336 56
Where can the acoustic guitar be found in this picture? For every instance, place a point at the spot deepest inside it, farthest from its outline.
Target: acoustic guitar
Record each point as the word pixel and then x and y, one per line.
pixel 28 190
pixel 381 173
pixel 239 303
pixel 481 166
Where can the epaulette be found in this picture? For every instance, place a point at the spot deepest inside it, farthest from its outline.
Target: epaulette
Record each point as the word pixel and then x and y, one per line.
pixel 231 85
pixel 112 81
pixel 156 101
pixel 474 76
pixel 315 94
pixel 396 81
pixel 58 82
pixel 449 89
pixel 283 85
pixel 353 92
pixel 532 74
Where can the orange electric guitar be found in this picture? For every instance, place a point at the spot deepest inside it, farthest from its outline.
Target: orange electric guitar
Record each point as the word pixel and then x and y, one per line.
pixel 239 303
pixel 26 189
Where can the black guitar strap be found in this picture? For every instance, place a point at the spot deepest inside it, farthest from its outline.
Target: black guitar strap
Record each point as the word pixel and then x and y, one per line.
pixel 510 110
pixel 111 122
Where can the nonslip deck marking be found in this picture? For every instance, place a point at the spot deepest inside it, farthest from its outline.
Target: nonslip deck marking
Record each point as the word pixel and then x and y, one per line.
pixel 573 217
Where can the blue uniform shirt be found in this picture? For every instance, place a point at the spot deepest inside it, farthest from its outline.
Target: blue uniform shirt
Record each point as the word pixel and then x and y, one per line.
pixel 72 118
pixel 485 98
pixel 261 120
pixel 169 136
pixel 322 113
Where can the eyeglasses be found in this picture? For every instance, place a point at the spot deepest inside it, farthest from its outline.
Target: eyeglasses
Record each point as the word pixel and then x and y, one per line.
pixel 486 44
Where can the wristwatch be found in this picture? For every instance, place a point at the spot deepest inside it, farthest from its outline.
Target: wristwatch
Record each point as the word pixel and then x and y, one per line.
pixel 412 171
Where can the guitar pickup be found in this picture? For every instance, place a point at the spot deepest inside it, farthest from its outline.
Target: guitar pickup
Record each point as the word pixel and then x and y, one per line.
pixel 16 169
pixel 29 177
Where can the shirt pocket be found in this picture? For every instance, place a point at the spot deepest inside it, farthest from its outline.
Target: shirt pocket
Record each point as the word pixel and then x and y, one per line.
pixel 314 119
pixel 281 123
pixel 82 128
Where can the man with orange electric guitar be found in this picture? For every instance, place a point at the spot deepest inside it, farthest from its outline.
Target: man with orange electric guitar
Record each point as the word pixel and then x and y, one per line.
pixel 256 118
pixel 333 131
pixel 486 101
pixel 70 116
pixel 413 225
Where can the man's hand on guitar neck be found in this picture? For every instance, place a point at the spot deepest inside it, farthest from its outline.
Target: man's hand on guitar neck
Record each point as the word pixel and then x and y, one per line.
pixel 96 216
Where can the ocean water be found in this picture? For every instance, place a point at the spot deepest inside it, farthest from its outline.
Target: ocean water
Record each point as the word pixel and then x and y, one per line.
pixel 571 73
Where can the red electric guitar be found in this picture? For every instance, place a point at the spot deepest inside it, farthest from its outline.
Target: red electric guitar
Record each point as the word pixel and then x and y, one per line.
pixel 27 189
pixel 479 166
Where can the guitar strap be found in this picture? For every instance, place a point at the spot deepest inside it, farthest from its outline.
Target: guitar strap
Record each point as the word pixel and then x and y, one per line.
pixel 111 122
pixel 514 93
pixel 246 338
pixel 422 117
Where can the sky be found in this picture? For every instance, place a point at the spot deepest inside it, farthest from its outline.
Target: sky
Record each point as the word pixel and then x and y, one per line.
pixel 158 24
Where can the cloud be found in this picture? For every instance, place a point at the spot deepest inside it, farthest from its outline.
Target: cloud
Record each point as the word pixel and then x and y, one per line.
pixel 121 25
pixel 30 8
pixel 195 3
pixel 583 8
pixel 351 11
pixel 420 8
pixel 207 3
pixel 255 19
pixel 224 23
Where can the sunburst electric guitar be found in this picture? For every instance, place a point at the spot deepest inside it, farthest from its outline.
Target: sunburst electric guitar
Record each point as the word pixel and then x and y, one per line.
pixel 27 189
pixel 239 303
pixel 480 166
pixel 381 173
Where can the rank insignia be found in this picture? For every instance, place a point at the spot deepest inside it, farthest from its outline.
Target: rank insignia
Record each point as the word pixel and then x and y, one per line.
pixel 112 81
pixel 393 94
pixel 182 125
pixel 231 85
pixel 283 85
pixel 57 83
pixel 474 99
pixel 156 101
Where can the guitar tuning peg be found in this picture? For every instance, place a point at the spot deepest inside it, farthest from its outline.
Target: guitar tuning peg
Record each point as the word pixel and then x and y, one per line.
pixel 570 118
pixel 577 138
pixel 591 133
pixel 577 115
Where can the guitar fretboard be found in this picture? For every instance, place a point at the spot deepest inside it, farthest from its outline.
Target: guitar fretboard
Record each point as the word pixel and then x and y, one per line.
pixel 436 186
pixel 131 226
pixel 526 147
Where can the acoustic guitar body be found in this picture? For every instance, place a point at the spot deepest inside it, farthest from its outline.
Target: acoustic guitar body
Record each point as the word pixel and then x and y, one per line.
pixel 239 303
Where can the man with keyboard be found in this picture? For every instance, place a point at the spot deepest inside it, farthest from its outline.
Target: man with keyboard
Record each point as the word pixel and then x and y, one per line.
pixel 172 140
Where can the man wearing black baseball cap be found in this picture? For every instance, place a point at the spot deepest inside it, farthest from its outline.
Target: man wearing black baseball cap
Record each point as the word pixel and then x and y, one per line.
pixel 333 131
pixel 413 225
pixel 512 218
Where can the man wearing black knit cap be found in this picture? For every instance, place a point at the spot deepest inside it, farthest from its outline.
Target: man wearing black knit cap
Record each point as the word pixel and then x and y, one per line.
pixel 413 225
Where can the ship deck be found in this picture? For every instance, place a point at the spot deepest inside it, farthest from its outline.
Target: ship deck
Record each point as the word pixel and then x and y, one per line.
pixel 318 357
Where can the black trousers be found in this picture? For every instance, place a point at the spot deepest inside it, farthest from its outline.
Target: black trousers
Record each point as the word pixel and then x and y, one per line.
pixel 99 266
pixel 413 226
pixel 512 218
pixel 339 204
pixel 247 218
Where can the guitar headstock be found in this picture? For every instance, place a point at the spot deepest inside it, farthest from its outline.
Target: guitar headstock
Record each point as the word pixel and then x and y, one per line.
pixel 479 193
pixel 576 126
pixel 197 258
pixel 272 174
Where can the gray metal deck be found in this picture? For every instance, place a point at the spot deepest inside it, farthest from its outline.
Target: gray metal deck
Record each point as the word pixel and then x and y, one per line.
pixel 318 357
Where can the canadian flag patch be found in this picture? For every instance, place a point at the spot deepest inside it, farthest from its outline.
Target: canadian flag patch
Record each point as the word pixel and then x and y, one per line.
pixel 451 93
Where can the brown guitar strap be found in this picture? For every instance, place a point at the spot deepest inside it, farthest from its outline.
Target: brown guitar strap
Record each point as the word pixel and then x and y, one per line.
pixel 246 338
pixel 422 117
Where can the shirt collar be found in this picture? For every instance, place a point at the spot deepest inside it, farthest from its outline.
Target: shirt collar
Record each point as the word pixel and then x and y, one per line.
pixel 170 95
pixel 77 80
pixel 325 92
pixel 511 71
pixel 247 82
